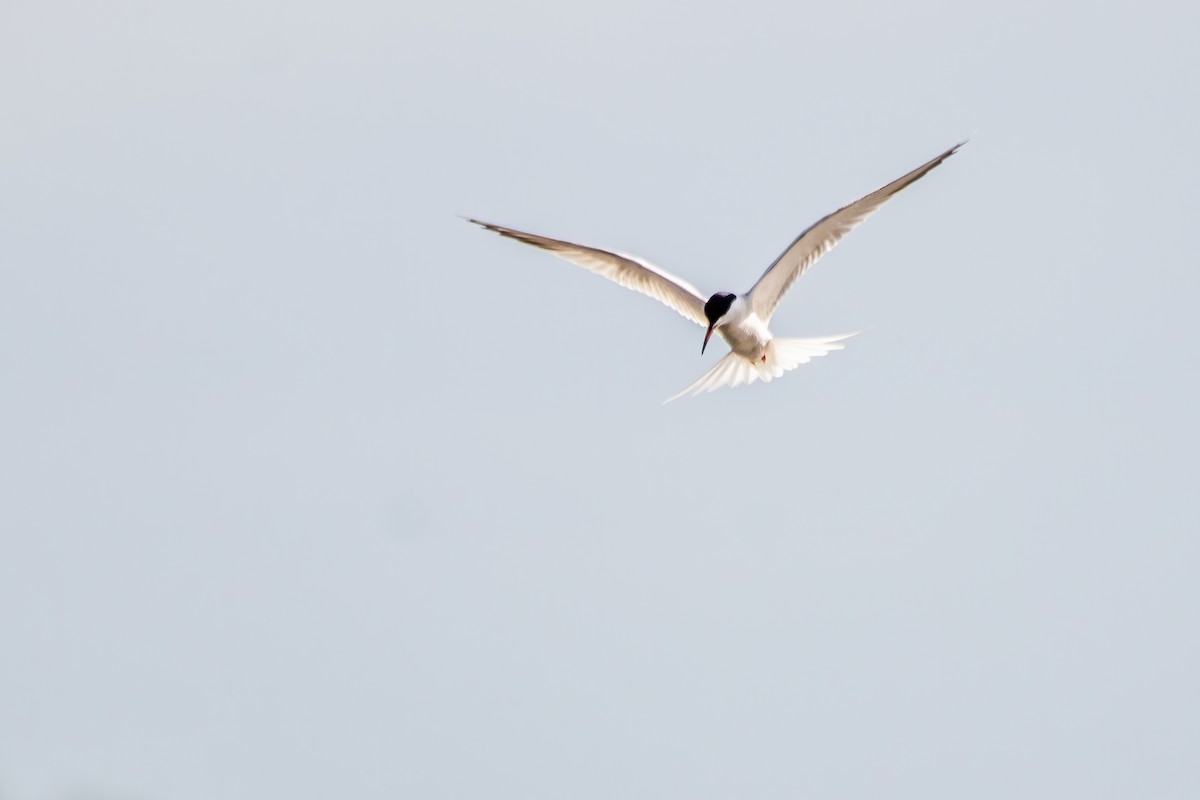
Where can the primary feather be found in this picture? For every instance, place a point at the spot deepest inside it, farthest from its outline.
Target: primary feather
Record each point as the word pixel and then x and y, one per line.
pixel 629 271
pixel 819 238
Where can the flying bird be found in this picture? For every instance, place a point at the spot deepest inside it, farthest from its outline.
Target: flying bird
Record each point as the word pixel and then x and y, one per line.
pixel 755 354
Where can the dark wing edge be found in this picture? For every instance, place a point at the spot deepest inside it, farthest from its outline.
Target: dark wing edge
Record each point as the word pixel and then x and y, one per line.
pixel 820 237
pixel 626 270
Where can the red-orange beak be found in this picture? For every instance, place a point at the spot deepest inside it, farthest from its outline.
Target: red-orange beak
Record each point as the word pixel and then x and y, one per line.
pixel 707 335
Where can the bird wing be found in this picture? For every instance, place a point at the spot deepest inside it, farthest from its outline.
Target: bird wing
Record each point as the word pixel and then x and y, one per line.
pixel 820 237
pixel 629 271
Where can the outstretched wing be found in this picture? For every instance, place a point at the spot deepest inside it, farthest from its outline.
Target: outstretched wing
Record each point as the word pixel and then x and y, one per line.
pixel 820 238
pixel 629 271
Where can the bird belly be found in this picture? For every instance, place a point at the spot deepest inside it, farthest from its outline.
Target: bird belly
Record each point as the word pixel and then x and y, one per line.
pixel 748 338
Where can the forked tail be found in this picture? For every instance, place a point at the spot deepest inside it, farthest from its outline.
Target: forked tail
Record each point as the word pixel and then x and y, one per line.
pixel 782 355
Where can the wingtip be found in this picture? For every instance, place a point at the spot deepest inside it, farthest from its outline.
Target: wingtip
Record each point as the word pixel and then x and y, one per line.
pixel 950 152
pixel 493 227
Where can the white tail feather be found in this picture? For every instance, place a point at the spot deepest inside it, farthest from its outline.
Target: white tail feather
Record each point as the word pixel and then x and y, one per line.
pixel 783 355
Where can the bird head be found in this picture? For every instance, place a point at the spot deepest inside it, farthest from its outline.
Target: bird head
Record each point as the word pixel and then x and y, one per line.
pixel 715 309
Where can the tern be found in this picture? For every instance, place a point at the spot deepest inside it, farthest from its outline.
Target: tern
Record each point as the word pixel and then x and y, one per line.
pixel 755 354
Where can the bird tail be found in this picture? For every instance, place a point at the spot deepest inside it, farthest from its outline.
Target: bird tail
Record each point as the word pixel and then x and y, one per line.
pixel 782 356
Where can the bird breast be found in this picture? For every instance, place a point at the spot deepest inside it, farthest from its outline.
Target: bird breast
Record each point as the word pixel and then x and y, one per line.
pixel 746 334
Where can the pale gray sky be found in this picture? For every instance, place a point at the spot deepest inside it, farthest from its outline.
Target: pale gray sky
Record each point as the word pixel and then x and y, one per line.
pixel 309 489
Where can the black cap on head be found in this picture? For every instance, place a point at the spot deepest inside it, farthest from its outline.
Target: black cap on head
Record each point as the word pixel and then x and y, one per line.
pixel 718 306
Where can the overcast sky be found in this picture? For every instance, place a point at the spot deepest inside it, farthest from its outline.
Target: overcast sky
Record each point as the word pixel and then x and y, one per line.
pixel 310 489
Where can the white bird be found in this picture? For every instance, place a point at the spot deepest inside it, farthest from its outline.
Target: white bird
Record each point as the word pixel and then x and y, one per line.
pixel 754 353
